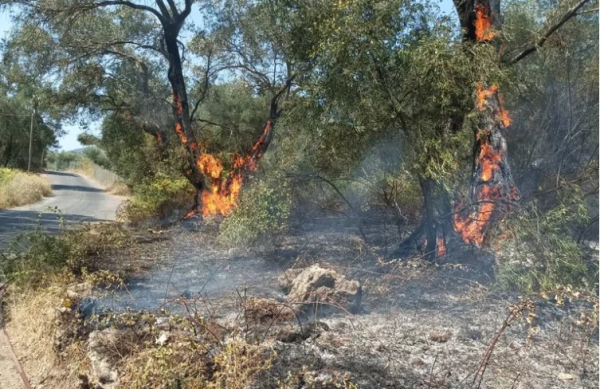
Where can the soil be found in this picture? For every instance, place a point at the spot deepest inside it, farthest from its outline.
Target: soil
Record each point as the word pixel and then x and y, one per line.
pixel 420 324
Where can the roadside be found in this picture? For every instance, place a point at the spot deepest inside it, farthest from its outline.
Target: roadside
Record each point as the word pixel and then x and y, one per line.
pixel 76 199
pixel 19 188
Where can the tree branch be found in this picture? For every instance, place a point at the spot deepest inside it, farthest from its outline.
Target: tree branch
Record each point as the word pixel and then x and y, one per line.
pixel 173 8
pixel 130 5
pixel 570 13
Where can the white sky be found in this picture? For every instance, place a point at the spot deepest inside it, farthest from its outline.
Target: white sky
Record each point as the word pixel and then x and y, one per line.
pixel 69 141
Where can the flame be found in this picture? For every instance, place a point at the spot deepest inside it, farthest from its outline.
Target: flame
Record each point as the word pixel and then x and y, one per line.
pixel 222 195
pixel 472 227
pixel 503 113
pixel 441 247
pixel 490 161
pixel 484 94
pixel 483 24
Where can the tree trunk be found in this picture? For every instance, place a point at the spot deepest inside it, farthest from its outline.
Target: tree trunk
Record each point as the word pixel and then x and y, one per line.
pixel 492 189
pixel 492 186
pixel 181 113
pixel 429 237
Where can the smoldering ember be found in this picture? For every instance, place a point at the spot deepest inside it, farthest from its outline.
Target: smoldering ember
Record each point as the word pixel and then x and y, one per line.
pixel 297 194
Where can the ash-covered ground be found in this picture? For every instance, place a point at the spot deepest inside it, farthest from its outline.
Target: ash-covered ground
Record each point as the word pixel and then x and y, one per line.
pixel 419 325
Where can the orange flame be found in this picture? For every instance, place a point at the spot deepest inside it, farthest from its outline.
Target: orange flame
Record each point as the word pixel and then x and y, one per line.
pixel 472 227
pixel 222 196
pixel 484 94
pixel 483 24
pixel 441 247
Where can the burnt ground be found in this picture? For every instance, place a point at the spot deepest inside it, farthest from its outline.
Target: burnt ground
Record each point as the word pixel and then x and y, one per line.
pixel 420 325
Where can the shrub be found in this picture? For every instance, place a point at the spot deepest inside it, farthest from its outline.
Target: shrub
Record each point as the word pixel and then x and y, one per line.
pixel 97 156
pixel 20 188
pixel 157 197
pixel 73 252
pixel 537 251
pixel 63 160
pixel 263 211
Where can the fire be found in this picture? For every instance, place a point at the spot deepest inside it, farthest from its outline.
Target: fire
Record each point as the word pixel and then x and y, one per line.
pixel 472 227
pixel 503 113
pixel 483 25
pixel 490 161
pixel 484 94
pixel 222 196
pixel 441 247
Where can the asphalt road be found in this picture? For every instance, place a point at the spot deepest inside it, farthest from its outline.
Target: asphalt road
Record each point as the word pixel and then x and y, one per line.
pixel 78 199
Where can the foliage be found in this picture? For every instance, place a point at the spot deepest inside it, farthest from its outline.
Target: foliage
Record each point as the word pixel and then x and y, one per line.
pixel 63 160
pixel 97 156
pixel 263 212
pixel 157 197
pixel 537 251
pixel 15 123
pixel 20 188
pixel 33 258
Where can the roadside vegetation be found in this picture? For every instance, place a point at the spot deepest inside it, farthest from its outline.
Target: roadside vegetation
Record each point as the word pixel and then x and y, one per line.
pixel 21 188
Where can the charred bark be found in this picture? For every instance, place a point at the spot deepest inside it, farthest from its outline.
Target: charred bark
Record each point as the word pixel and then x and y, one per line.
pixel 429 238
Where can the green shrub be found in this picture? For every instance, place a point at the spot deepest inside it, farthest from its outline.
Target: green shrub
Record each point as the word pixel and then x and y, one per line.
pixel 263 211
pixel 63 160
pixel 35 256
pixel 157 197
pixel 97 156
pixel 537 251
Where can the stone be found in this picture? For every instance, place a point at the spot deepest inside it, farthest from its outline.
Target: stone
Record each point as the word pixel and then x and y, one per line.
pixel 79 291
pixel 566 377
pixel 315 284
pixel 101 346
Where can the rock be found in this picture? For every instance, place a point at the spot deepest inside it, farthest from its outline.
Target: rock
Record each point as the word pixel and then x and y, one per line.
pixel 285 280
pixel 79 291
pixel 316 284
pixel 162 339
pixel 101 349
pixel 299 334
pixel 566 377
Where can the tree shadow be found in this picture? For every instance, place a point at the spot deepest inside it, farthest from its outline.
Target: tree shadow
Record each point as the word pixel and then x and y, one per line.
pixel 55 173
pixel 76 188
pixel 15 222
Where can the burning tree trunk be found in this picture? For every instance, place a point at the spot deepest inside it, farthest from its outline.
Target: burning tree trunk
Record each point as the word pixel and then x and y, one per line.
pixel 491 180
pixel 220 196
pixel 492 188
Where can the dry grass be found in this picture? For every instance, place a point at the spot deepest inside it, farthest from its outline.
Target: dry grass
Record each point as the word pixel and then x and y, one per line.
pixel 105 178
pixel 119 189
pixel 32 326
pixel 20 188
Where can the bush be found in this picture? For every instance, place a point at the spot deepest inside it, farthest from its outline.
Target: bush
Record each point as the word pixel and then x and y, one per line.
pixel 537 251
pixel 73 252
pixel 97 156
pixel 63 160
pixel 20 188
pixel 157 197
pixel 263 211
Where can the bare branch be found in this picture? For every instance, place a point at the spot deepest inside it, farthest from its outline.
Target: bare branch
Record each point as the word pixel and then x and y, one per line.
pixel 570 13
pixel 173 8
pixel 130 5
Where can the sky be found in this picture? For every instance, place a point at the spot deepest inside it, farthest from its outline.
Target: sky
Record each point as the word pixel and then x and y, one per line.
pixel 69 140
